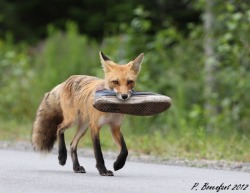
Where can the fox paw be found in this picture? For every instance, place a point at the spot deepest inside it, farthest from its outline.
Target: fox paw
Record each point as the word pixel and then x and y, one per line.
pixel 62 157
pixel 118 165
pixel 107 173
pixel 79 169
pixel 120 160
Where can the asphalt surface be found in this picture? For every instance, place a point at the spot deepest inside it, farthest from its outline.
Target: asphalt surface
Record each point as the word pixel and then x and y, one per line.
pixel 22 171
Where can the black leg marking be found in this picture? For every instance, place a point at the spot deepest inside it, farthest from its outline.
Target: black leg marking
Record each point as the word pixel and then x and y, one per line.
pixel 121 159
pixel 62 157
pixel 100 165
pixel 76 166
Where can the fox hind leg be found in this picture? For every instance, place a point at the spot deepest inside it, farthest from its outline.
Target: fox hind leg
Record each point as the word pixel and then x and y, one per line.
pixel 62 150
pixel 82 128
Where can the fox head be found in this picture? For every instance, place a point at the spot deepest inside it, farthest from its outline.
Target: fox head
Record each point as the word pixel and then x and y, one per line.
pixel 121 78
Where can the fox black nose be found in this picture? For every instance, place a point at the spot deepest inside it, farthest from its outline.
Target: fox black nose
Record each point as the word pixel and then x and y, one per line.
pixel 124 96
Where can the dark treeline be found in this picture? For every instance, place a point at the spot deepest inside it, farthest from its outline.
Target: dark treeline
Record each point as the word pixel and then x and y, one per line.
pixel 28 20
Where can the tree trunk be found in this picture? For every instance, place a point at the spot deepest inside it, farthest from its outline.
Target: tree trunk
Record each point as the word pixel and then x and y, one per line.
pixel 210 65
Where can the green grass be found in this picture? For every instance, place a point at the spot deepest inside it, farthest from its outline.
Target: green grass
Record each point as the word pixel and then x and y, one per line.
pixel 12 131
pixel 193 144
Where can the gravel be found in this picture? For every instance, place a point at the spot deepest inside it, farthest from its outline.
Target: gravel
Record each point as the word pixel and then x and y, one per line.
pixel 87 152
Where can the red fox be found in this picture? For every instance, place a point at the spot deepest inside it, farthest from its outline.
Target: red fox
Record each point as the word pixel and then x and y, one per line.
pixel 71 102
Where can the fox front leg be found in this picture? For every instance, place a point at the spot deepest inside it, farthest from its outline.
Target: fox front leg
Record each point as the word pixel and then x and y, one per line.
pixel 100 165
pixel 118 137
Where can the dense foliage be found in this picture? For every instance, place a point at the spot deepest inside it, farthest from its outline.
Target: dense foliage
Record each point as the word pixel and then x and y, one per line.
pixel 170 34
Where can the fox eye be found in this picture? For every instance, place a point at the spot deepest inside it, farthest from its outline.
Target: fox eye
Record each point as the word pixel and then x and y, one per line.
pixel 115 82
pixel 129 82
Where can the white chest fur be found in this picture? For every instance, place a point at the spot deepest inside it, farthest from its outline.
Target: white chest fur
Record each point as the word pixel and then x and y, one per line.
pixel 111 119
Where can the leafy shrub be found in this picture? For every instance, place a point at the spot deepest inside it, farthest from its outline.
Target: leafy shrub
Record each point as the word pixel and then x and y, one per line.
pixel 15 77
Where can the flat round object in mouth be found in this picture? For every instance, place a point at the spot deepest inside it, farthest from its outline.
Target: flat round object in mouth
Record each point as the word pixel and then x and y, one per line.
pixel 140 103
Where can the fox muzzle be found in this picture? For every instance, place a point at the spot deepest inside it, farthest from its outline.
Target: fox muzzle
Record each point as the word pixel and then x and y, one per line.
pixel 124 96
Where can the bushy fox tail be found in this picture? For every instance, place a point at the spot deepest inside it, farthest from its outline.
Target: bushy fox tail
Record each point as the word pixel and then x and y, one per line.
pixel 48 117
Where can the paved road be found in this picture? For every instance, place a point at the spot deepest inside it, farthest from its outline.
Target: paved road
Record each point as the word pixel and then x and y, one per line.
pixel 30 172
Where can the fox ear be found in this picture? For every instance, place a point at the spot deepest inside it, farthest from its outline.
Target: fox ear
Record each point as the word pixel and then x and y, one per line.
pixel 136 63
pixel 104 60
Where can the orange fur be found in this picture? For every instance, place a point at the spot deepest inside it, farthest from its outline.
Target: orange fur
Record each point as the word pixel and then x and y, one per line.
pixel 71 102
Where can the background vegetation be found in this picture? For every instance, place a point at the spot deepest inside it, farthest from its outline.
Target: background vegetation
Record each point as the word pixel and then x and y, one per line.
pixel 196 52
